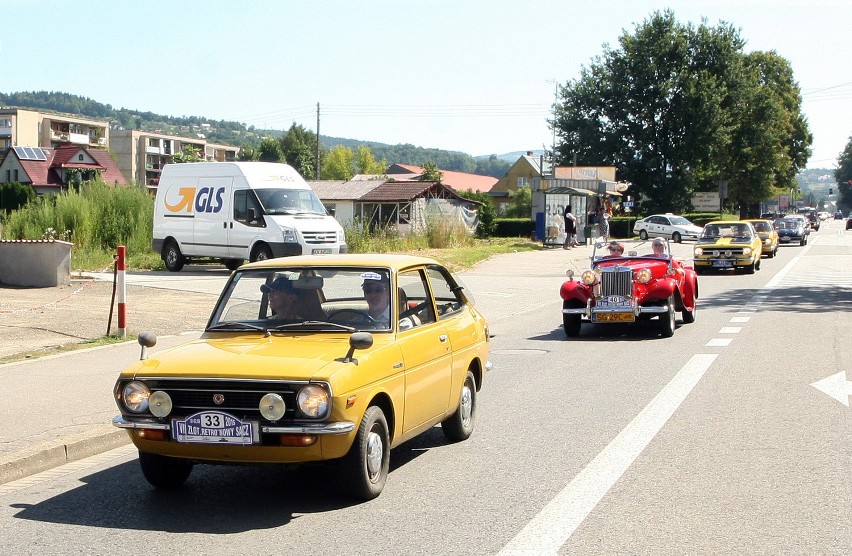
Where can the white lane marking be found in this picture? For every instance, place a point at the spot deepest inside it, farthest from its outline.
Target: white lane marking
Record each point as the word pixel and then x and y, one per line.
pixel 718 342
pixel 730 330
pixel 554 524
pixel 740 319
pixel 787 268
pixel 746 310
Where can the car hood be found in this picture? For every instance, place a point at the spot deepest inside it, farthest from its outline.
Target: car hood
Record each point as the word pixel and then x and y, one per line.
pixel 723 242
pixel 274 357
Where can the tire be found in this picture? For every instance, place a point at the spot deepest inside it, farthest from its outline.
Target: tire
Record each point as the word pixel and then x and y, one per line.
pixel 365 467
pixel 803 242
pixel 667 321
pixel 460 425
pixel 572 325
pixel 749 269
pixel 261 252
pixel 172 257
pixel 688 317
pixel 233 264
pixel 164 471
pixel 757 263
pixel 643 235
pixel 676 237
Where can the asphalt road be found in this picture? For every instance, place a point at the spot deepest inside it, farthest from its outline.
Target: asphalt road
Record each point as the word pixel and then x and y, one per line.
pixel 723 439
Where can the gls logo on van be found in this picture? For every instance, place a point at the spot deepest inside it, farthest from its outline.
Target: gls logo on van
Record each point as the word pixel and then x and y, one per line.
pixel 206 199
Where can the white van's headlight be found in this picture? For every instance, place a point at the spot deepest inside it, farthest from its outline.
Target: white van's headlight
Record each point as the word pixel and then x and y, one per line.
pixel 289 234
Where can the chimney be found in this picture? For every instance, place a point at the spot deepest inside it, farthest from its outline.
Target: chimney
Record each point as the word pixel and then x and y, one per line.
pixel 529 153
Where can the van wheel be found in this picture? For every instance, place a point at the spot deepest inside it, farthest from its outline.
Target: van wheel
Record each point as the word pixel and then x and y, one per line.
pixel 233 264
pixel 261 253
pixel 172 257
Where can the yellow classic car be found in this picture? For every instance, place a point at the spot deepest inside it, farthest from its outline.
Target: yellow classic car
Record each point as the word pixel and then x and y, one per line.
pixel 768 235
pixel 726 245
pixel 312 358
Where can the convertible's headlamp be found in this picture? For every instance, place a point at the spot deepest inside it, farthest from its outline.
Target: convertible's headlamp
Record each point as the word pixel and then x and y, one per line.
pixel 589 278
pixel 644 276
pixel 135 396
pixel 313 400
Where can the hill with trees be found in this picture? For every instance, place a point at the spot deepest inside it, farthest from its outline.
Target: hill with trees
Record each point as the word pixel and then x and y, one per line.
pixel 238 134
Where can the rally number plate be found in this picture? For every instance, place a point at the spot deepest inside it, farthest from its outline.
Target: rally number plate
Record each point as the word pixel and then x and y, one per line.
pixel 321 251
pixel 721 263
pixel 215 427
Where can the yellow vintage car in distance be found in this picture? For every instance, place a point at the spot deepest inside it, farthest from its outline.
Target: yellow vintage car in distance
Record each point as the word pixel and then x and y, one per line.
pixel 726 245
pixel 768 235
pixel 312 358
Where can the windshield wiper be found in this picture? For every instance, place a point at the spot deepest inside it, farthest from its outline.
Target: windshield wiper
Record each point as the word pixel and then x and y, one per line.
pixel 311 324
pixel 235 325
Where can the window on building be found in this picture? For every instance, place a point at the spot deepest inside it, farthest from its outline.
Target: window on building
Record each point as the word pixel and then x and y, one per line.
pixel 523 182
pixel 16 174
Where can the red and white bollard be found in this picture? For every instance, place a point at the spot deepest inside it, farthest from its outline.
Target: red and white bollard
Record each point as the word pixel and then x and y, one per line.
pixel 122 291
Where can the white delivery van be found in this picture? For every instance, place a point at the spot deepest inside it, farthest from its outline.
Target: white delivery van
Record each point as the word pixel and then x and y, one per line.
pixel 233 211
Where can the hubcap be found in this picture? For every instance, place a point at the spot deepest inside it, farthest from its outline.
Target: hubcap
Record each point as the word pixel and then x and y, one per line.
pixel 375 449
pixel 466 405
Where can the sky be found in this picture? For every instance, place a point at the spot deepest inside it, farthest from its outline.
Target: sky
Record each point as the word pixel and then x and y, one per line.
pixel 477 77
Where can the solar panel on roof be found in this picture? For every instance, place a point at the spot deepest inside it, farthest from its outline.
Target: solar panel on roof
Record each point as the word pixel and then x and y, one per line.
pixel 30 153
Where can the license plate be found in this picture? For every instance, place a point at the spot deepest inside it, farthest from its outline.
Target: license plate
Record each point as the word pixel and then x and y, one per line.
pixel 613 317
pixel 785 239
pixel 214 427
pixel 321 251
pixel 613 301
pixel 721 263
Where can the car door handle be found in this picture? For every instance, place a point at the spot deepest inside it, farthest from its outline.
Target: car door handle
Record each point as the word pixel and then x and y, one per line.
pixel 443 337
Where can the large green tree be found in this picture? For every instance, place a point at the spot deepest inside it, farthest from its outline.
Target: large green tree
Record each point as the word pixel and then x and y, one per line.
pixel 666 108
pixel 843 175
pixel 337 163
pixel 299 146
pixel 269 150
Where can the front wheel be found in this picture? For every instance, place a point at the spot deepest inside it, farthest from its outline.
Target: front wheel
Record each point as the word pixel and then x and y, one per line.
pixel 749 269
pixel 365 467
pixel 261 253
pixel 667 320
pixel 643 235
pixel 688 317
pixel 172 257
pixel 164 471
pixel 460 425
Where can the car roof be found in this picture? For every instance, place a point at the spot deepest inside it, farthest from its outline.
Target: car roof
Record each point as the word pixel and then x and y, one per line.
pixel 392 261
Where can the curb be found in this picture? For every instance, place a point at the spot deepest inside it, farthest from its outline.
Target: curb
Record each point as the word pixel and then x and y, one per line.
pixel 61 451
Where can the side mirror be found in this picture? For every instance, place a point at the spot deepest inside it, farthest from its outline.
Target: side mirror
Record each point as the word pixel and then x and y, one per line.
pixel 252 215
pixel 358 340
pixel 146 340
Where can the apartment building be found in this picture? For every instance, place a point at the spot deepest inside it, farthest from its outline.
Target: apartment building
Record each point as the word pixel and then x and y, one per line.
pixel 31 128
pixel 141 155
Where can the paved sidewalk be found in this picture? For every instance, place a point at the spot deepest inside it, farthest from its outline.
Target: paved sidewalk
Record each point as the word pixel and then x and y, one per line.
pixel 58 409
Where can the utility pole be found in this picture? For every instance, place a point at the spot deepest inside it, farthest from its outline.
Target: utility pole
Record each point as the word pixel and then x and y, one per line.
pixel 318 144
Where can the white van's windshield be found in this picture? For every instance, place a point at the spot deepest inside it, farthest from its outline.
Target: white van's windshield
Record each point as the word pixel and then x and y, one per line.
pixel 290 201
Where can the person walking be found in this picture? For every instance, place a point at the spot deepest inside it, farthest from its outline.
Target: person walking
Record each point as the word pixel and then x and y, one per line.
pixel 570 228
pixel 603 219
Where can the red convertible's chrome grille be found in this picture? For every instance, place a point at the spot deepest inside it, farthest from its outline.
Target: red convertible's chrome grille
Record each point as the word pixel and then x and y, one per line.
pixel 617 282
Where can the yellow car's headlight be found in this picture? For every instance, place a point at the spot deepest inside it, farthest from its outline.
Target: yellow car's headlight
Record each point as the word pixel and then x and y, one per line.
pixel 135 396
pixel 698 251
pixel 313 401
pixel 747 251
pixel 644 276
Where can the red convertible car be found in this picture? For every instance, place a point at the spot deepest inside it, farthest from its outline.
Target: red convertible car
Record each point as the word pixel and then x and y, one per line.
pixel 630 281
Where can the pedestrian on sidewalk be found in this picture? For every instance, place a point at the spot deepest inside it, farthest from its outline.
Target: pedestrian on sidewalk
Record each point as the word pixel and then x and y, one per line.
pixel 570 228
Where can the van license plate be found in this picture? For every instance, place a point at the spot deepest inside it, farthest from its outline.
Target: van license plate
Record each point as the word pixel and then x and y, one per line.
pixel 321 251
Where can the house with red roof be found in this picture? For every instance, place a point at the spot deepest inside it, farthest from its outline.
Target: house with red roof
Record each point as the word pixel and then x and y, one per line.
pixel 51 170
pixel 460 181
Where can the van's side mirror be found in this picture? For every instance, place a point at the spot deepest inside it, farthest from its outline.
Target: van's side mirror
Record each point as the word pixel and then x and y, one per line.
pixel 252 215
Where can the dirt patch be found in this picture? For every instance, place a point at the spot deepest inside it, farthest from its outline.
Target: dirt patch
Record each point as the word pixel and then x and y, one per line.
pixel 36 319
